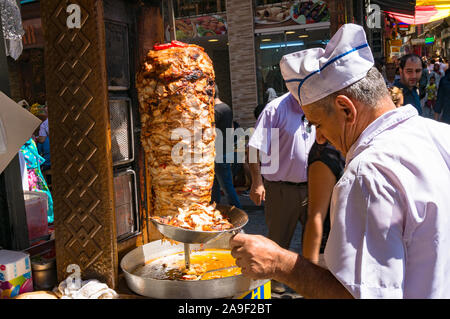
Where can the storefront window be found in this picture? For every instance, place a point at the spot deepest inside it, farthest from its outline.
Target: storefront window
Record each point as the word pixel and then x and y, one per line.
pixel 187 8
pixel 270 48
pixel 204 23
pixel 266 2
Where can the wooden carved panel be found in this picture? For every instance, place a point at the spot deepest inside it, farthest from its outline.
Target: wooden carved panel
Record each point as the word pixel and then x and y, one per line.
pixel 75 72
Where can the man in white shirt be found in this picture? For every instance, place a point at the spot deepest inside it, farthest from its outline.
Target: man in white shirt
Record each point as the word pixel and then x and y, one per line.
pixel 390 211
pixel 281 137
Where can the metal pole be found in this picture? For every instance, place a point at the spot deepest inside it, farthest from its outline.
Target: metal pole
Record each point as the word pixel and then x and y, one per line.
pixel 187 256
pixel 173 34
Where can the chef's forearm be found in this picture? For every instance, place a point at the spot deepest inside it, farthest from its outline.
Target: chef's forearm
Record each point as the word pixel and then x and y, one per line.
pixel 308 279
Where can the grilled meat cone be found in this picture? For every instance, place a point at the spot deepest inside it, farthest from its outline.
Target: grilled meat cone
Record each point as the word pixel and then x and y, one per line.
pixel 176 100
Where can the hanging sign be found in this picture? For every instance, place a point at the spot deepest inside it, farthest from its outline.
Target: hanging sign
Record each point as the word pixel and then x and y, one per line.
pixel 429 40
pixel 290 13
pixel 417 41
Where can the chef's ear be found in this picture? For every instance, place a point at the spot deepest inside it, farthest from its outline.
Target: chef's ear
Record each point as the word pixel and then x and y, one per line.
pixel 347 107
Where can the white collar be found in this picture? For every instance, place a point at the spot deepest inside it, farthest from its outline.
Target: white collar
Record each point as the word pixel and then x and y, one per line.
pixel 381 124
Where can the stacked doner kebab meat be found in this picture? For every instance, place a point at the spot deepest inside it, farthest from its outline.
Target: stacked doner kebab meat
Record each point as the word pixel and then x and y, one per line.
pixel 176 91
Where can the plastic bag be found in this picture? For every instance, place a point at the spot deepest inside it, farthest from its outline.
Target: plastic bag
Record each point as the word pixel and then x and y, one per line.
pixel 12 28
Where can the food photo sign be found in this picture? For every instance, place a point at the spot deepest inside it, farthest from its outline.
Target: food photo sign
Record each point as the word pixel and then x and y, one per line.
pixel 291 13
pixel 202 26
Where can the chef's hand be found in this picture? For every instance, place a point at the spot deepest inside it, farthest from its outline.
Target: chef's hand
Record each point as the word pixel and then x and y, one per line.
pixel 257 256
pixel 257 193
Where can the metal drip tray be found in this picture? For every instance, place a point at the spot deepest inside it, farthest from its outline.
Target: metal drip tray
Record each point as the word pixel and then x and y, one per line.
pixel 226 287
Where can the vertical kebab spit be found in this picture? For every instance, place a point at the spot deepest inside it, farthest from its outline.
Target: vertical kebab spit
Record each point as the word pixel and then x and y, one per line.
pixel 176 96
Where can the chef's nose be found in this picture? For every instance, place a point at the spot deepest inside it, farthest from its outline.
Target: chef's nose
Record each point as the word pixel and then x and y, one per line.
pixel 320 138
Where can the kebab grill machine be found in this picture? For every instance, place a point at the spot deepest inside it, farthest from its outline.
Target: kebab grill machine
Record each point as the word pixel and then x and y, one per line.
pixel 176 91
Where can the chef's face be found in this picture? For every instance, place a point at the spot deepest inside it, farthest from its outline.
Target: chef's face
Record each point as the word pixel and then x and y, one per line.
pixel 333 124
pixel 411 73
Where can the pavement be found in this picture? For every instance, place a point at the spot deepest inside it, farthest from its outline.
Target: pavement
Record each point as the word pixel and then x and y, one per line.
pixel 257 225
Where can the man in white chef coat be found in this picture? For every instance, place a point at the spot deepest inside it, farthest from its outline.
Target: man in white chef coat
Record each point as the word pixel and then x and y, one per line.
pixel 390 211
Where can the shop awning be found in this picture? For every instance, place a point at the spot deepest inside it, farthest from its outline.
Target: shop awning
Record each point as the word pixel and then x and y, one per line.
pixel 432 25
pixel 426 11
pixel 406 7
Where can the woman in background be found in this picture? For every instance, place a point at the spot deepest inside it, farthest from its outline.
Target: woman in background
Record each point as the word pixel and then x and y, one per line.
pixel 325 167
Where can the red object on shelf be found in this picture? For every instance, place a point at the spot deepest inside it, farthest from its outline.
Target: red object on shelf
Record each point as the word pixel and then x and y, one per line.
pixel 36 206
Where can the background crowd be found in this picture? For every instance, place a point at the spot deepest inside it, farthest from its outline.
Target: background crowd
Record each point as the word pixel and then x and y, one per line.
pixel 420 81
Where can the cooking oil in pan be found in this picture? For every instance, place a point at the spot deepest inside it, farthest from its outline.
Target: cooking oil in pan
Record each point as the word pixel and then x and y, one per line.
pixel 172 267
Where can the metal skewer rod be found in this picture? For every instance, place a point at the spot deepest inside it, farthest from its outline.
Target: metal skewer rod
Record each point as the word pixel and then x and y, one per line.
pixel 187 256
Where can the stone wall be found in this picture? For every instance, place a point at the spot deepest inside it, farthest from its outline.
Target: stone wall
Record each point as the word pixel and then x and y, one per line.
pixel 242 60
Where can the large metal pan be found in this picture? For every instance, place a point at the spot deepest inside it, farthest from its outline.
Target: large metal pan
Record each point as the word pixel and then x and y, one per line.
pixel 227 287
pixel 237 217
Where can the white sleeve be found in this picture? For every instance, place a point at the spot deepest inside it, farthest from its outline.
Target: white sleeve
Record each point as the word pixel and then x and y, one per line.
pixel 262 135
pixel 365 249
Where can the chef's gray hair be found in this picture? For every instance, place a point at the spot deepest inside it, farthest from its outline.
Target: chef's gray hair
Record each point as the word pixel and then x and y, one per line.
pixel 368 91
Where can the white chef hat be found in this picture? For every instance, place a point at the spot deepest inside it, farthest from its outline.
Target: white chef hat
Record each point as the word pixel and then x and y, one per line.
pixel 313 74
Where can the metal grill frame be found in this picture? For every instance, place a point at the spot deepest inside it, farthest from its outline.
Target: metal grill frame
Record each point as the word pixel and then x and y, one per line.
pixel 130 131
pixel 126 45
pixel 134 196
